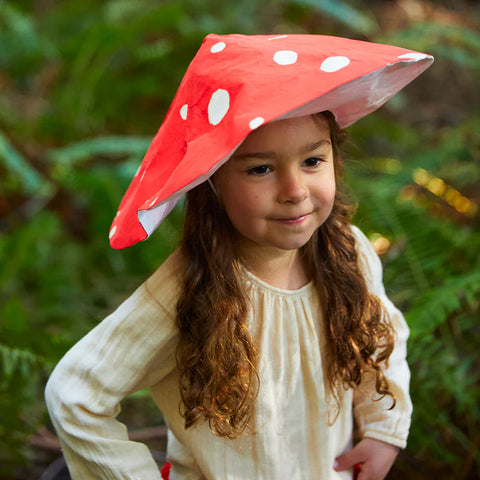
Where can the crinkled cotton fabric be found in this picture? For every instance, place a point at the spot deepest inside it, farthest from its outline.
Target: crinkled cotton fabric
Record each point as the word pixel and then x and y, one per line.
pixel 295 432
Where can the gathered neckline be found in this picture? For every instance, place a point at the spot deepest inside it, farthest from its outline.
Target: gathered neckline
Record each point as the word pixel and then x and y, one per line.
pixel 307 288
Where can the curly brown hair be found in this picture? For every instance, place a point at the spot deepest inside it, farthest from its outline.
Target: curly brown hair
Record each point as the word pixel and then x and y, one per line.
pixel 216 356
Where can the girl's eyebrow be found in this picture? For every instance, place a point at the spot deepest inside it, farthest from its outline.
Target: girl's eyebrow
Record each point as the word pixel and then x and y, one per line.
pixel 260 155
pixel 267 155
pixel 314 146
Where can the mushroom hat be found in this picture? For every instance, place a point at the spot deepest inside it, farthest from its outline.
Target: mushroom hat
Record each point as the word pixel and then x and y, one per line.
pixel 236 83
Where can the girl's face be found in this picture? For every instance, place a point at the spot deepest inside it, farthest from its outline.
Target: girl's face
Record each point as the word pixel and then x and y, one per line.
pixel 279 186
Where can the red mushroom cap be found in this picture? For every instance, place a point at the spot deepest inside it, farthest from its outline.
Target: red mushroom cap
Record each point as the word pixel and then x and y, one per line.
pixel 236 83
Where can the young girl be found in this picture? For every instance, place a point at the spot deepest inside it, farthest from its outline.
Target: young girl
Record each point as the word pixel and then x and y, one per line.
pixel 268 333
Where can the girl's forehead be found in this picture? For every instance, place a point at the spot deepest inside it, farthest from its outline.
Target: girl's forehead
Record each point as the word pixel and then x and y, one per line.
pixel 310 128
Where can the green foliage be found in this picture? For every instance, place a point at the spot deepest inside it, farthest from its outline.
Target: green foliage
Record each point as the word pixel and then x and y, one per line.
pixel 16 360
pixel 454 43
pixel 85 85
pixel 432 308
pixel 432 272
pixel 344 13
pixel 19 171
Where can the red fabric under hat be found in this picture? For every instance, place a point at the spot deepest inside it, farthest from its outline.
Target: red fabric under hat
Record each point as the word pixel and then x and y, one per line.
pixel 236 83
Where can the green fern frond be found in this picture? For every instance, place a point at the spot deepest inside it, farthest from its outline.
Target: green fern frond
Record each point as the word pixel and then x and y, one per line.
pixel 447 41
pixel 32 182
pixel 115 145
pixel 431 309
pixel 340 11
pixel 14 360
pixel 16 31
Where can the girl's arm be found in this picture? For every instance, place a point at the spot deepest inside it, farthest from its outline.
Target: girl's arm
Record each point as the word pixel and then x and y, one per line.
pixel 131 349
pixel 383 432
pixel 374 419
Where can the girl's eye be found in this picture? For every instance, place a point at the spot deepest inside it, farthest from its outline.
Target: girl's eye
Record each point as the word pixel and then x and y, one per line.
pixel 313 161
pixel 259 170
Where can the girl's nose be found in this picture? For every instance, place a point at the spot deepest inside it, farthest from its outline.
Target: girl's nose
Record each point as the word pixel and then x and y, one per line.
pixel 292 188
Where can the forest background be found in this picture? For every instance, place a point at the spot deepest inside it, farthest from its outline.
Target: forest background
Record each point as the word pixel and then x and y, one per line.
pixel 84 85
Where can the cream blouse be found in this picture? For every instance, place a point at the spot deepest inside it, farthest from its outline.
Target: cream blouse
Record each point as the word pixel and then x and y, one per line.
pixel 295 436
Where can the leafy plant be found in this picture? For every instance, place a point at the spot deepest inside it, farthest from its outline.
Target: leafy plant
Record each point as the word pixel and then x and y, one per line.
pixel 432 272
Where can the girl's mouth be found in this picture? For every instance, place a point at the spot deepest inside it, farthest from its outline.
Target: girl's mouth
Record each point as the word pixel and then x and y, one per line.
pixel 293 220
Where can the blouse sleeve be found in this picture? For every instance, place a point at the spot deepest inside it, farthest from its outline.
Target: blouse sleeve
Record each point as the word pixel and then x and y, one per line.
pixel 131 349
pixel 373 418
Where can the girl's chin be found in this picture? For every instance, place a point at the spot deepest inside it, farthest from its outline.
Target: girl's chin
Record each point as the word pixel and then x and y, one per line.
pixel 284 245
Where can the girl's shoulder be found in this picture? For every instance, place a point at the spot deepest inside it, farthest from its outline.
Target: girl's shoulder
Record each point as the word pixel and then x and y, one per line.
pixel 367 258
pixel 165 284
pixel 359 235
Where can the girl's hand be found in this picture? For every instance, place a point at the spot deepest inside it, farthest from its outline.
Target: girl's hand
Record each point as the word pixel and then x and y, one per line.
pixel 374 458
